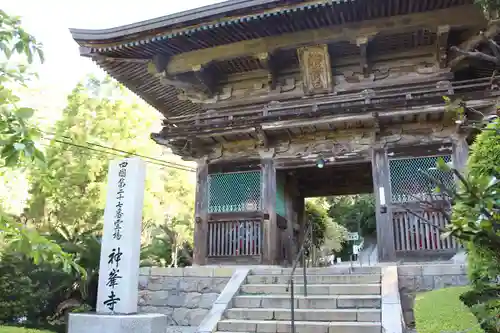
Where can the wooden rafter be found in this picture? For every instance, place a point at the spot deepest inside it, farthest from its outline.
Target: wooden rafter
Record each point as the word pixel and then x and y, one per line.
pixel 460 16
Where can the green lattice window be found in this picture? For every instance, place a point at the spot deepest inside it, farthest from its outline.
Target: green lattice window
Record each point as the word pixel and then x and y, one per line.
pixel 234 192
pixel 280 195
pixel 408 183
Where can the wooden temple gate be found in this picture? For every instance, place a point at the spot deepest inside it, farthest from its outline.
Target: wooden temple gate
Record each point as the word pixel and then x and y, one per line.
pixel 408 185
pixel 257 91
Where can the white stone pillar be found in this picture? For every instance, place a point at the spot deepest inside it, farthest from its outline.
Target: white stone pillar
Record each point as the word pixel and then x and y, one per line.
pixel 121 241
pixel 120 254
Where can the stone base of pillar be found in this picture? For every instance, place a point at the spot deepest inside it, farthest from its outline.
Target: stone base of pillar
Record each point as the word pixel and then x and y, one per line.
pixel 103 323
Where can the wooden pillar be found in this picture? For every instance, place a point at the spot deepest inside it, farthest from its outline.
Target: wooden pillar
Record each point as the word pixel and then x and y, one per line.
pixel 460 153
pixel 270 251
pixel 301 220
pixel 382 192
pixel 201 214
pixel 290 195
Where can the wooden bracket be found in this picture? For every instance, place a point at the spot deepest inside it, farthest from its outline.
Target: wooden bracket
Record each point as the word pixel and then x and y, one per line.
pixel 443 32
pixel 201 79
pixel 160 63
pixel 268 62
pixel 363 43
pixel 262 136
pixel 206 78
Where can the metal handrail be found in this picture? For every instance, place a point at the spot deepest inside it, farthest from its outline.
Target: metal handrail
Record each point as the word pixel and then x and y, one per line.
pixel 290 284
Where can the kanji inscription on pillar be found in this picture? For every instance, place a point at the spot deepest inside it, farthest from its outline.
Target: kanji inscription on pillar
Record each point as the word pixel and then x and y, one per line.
pixel 121 240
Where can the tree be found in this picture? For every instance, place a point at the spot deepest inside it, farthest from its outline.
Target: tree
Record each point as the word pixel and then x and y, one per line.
pixel 70 188
pixel 491 9
pixel 327 235
pixel 355 212
pixel 17 137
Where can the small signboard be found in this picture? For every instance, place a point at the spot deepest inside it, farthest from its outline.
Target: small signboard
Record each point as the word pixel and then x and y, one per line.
pixel 355 249
pixel 352 236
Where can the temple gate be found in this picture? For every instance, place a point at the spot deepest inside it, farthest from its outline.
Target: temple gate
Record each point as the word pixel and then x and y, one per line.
pixel 281 100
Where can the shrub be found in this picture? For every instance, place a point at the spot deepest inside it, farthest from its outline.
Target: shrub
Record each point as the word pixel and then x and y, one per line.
pixel 485 304
pixel 484 160
pixel 20 295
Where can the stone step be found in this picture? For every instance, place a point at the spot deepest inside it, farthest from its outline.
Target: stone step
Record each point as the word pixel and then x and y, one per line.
pixel 363 315
pixel 313 289
pixel 315 279
pixel 332 270
pixel 309 302
pixel 271 326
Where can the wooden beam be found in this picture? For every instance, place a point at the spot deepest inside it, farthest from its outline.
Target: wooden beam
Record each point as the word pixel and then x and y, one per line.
pixel 443 33
pixel 201 214
pixel 383 214
pixel 270 229
pixel 365 63
pixel 459 16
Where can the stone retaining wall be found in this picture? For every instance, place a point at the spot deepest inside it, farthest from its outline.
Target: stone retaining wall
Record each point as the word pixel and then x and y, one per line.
pixel 185 295
pixel 419 278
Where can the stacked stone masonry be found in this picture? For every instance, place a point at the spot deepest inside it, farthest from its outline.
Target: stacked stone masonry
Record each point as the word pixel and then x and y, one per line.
pixel 184 295
pixel 414 279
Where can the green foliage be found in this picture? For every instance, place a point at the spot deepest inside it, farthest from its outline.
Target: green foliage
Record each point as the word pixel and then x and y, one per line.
pixel 46 292
pixel 18 292
pixel 489 7
pixel 485 152
pixel 326 233
pixel 167 249
pixel 484 162
pixel 442 311
pixel 485 304
pixel 353 212
pixel 16 136
pixel 27 290
pixel 70 188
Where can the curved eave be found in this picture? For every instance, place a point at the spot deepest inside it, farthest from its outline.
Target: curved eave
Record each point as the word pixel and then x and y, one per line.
pixel 168 20
pixel 162 97
pixel 191 22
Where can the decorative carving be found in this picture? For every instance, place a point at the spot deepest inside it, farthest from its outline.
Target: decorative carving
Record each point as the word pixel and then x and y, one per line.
pixel 316 69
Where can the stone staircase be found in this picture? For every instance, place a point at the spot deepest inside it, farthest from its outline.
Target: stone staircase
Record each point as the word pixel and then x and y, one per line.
pixel 340 300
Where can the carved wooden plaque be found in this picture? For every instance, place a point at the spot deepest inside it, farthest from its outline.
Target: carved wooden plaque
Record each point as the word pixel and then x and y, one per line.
pixel 316 69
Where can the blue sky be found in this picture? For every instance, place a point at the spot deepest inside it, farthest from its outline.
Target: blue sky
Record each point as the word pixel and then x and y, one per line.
pixel 49 21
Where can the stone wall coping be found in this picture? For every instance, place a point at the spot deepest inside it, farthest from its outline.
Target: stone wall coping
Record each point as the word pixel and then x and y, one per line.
pixel 188 271
pixel 432 269
pixel 392 312
pixel 209 323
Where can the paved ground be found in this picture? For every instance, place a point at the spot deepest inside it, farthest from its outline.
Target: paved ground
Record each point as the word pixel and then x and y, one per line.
pixel 181 329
